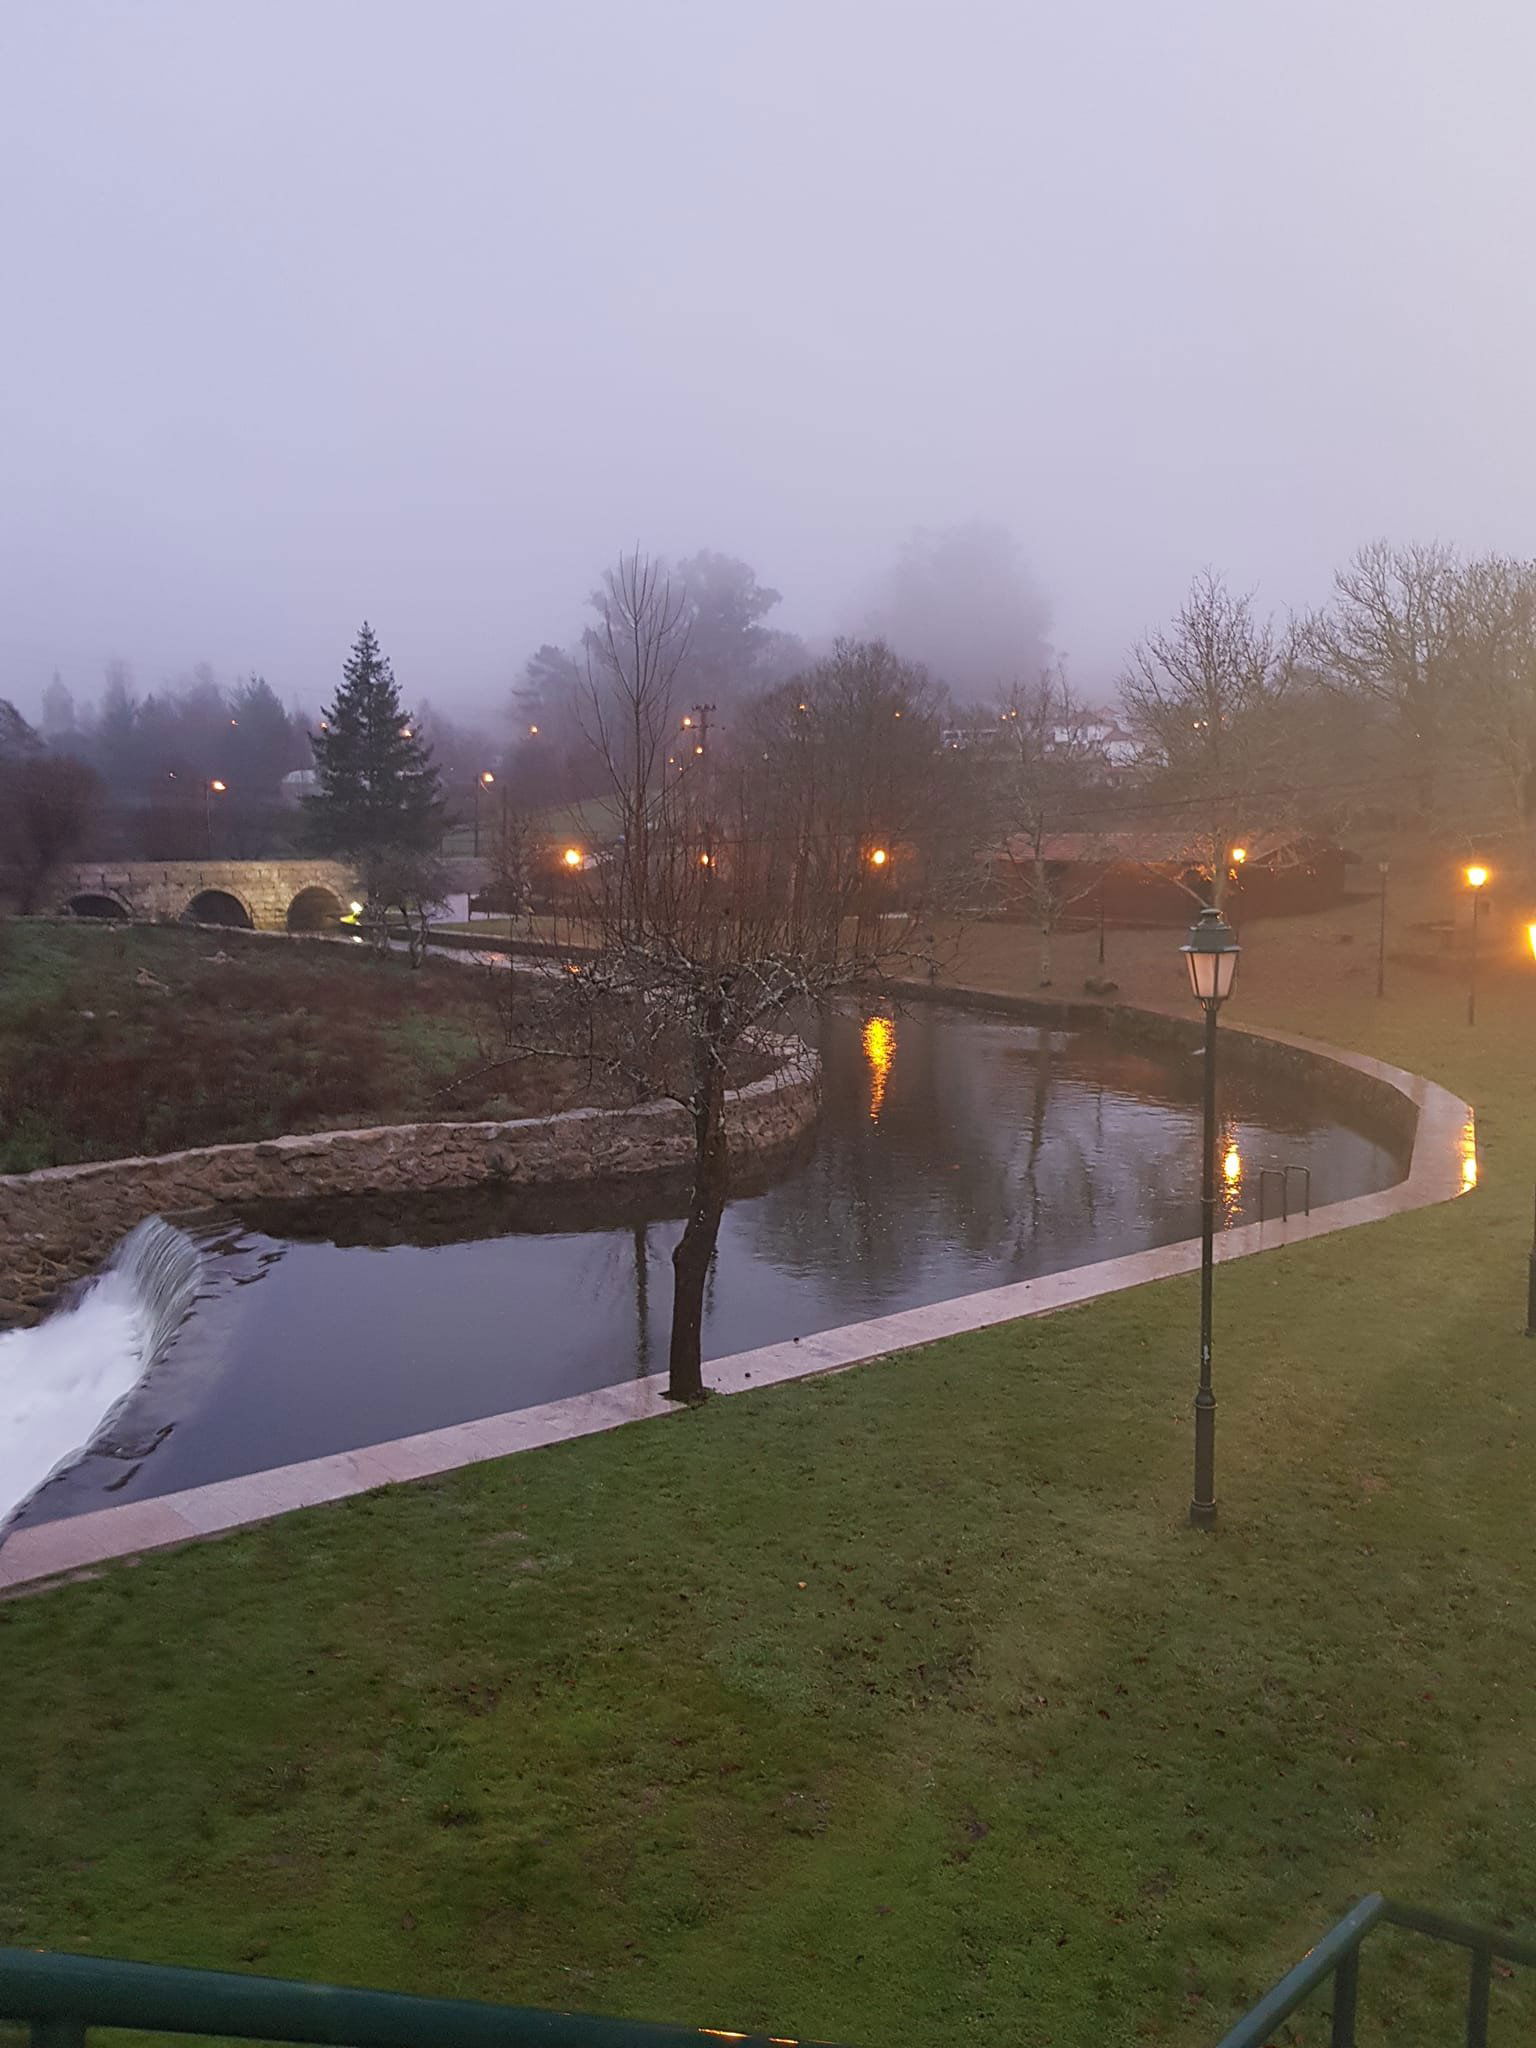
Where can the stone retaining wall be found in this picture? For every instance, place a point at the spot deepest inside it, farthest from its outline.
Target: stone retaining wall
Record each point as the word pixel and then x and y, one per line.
pixel 62 1220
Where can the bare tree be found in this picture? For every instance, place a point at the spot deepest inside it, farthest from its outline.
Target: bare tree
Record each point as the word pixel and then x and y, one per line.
pixel 633 659
pixel 1496 648
pixel 1392 637
pixel 403 881
pixel 746 886
pixel 1203 695
pixel 1049 770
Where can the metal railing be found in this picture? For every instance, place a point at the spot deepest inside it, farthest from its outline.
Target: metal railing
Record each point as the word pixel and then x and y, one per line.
pixel 1337 1956
pixel 1283 1175
pixel 61 1997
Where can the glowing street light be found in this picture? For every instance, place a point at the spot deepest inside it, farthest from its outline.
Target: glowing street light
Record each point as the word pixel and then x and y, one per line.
pixel 878 857
pixel 533 731
pixel 687 724
pixel 482 781
pixel 1239 854
pixel 572 856
pixel 216 787
pixel 1477 876
pixel 1210 953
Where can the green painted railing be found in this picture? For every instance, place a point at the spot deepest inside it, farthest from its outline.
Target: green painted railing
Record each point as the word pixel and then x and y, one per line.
pixel 62 1997
pixel 1337 1956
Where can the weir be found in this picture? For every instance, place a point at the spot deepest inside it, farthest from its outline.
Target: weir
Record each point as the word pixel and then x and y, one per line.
pixel 63 1382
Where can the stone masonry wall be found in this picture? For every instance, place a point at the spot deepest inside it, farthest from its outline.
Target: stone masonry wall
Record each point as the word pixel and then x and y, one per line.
pixel 62 1220
pixel 163 889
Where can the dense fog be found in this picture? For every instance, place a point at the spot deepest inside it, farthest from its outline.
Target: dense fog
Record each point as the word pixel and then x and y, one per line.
pixel 984 326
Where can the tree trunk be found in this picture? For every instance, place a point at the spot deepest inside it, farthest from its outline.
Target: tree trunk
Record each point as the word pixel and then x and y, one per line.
pixel 1043 907
pixel 696 1247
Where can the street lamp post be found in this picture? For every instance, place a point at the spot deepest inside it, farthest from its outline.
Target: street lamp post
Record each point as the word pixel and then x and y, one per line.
pixel 1477 875
pixel 1381 933
pixel 1210 953
pixel 210 791
pixel 482 781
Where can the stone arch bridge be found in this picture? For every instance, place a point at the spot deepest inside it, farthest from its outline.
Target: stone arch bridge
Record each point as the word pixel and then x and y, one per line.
pixel 260 895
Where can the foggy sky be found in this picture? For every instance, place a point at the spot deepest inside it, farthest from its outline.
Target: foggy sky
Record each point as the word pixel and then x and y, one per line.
pixel 422 309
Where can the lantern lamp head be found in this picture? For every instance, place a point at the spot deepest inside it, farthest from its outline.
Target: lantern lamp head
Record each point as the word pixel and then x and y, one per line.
pixel 1211 954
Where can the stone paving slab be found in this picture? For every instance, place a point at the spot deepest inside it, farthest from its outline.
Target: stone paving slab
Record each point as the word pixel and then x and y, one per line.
pixel 1443 1165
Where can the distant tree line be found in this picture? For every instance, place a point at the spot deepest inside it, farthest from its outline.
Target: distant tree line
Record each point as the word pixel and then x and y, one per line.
pixel 1410 697
pixel 959 602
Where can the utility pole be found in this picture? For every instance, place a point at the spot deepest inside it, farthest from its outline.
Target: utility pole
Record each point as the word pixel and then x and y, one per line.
pixel 702 714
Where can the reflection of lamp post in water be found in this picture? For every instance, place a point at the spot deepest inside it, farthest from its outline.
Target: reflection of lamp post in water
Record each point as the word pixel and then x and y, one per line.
pixel 1477 875
pixel 879 1041
pixel 1211 954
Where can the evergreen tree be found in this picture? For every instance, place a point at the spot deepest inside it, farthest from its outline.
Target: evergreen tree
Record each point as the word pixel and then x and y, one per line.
pixel 378 786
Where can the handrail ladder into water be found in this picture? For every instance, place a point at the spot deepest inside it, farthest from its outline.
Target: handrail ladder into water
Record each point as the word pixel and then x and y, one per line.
pixel 1283 1175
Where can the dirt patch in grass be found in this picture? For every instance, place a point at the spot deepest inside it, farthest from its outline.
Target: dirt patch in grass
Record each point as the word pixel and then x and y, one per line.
pixel 144 1040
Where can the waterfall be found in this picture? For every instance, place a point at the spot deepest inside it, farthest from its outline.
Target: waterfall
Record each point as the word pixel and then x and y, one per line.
pixel 62 1383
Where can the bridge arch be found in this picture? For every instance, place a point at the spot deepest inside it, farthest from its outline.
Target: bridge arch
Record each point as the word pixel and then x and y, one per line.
pixel 316 908
pixel 219 906
pixel 101 904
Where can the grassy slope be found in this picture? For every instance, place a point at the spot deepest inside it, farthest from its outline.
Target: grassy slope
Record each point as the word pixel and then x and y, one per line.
pixel 235 1037
pixel 1022 1751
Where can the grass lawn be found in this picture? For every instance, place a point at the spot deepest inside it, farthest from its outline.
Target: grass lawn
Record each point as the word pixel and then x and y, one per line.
pixel 894 1706
pixel 117 1040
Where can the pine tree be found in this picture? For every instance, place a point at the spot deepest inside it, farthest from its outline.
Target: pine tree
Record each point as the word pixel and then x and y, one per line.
pixel 377 784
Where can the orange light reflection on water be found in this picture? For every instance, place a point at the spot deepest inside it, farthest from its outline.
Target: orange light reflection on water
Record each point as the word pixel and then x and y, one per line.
pixel 880 1051
pixel 1231 1191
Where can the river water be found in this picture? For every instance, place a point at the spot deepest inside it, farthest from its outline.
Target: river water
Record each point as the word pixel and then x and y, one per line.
pixel 956 1151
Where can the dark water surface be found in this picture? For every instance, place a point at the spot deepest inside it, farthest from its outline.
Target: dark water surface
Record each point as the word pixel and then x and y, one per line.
pixel 956 1152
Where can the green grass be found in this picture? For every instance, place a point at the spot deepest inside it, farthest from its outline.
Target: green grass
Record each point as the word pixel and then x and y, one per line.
pixel 235 1037
pixel 881 1708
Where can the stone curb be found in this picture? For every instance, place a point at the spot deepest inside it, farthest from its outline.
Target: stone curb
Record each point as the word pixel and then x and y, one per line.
pixel 78 1211
pixel 1443 1165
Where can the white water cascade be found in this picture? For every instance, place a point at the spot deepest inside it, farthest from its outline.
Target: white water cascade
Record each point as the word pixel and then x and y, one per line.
pixel 63 1382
